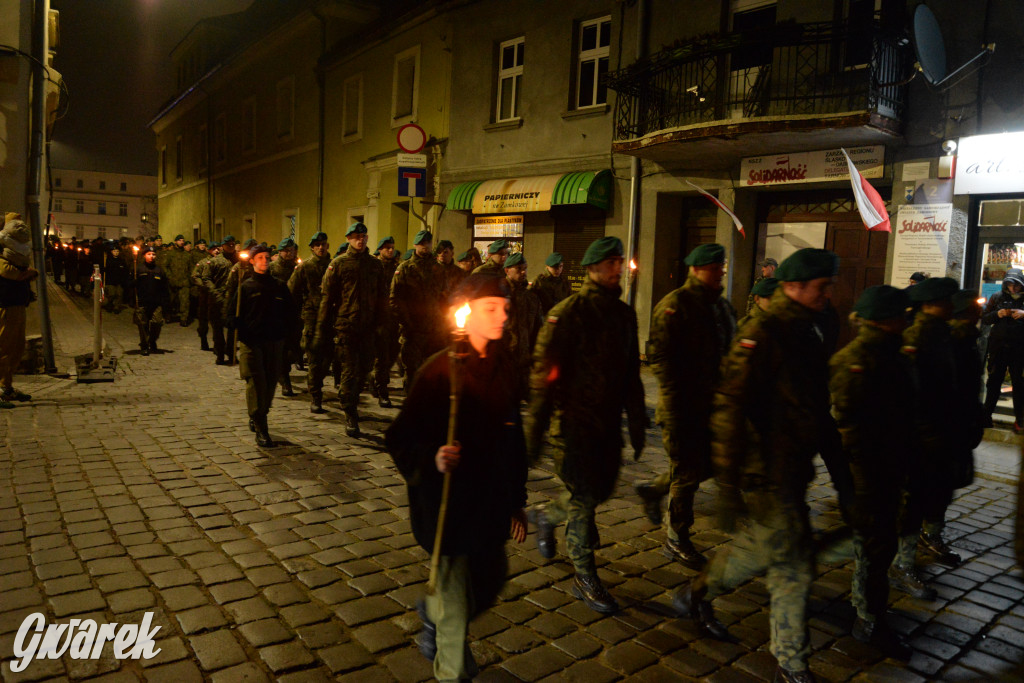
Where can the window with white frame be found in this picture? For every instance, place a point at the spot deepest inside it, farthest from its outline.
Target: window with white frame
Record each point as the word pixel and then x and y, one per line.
pixel 122 209
pixel 79 206
pixel 593 47
pixel 101 208
pixel 220 137
pixel 177 159
pixel 510 78
pixel 352 110
pixel 204 147
pixel 285 107
pixel 101 232
pixel 58 205
pixel 249 124
pixel 405 86
pixel 79 231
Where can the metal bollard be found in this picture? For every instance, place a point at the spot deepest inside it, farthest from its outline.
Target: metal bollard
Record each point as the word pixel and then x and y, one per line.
pixel 97 316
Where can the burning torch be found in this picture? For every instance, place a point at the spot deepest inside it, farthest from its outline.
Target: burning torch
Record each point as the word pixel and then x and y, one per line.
pixel 457 354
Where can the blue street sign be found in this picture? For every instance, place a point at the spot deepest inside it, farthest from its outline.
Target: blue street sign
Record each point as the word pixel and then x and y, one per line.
pixel 412 182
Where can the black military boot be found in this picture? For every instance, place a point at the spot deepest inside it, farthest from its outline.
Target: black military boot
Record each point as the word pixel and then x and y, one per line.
pixel 384 401
pixel 651 501
pixel 252 425
pixel 203 344
pixel 286 385
pixel 682 551
pixel 426 639
pixel 589 589
pixel 695 607
pixel 787 676
pixel 907 580
pixel 545 531
pixel 145 349
pixel 878 634
pixel 352 423
pixel 933 545
pixel 316 406
pixel 263 433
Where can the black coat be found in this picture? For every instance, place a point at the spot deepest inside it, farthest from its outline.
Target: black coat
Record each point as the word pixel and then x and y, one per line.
pixel 116 273
pixel 151 285
pixel 1006 332
pixel 489 484
pixel 267 311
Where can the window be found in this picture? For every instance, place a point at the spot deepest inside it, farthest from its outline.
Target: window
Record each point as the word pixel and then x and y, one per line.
pixel 58 205
pixel 405 87
pixel 510 78
pixel 79 206
pixel 163 166
pixel 101 208
pixel 594 40
pixel 352 112
pixel 290 224
pixel 124 187
pixel 177 159
pixel 122 209
pixel 101 232
pixel 56 181
pixel 204 147
pixel 79 184
pixel 103 184
pixel 285 107
pixel 220 138
pixel 79 231
pixel 248 124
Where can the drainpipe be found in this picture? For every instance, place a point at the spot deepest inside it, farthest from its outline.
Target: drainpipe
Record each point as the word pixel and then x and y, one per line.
pixel 209 164
pixel 321 80
pixel 635 171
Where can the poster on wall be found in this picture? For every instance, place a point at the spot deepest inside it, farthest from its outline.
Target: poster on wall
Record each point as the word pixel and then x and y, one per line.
pixel 812 167
pixel 785 238
pixel 922 241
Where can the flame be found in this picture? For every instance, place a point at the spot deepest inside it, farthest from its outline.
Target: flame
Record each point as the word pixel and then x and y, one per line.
pixel 135 249
pixel 79 249
pixel 981 301
pixel 632 264
pixel 298 261
pixel 243 254
pixel 461 315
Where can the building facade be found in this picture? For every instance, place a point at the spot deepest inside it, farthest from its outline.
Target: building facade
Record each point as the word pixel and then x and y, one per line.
pixel 91 204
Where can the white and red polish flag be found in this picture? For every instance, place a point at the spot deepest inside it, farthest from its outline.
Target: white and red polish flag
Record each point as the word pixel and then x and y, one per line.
pixel 714 200
pixel 869 202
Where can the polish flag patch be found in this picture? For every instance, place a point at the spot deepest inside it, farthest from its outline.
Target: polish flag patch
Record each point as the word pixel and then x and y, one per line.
pixel 748 343
pixel 552 319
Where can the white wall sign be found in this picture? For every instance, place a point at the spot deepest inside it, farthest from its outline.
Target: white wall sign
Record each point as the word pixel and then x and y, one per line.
pixel 812 167
pixel 922 241
pixel 990 164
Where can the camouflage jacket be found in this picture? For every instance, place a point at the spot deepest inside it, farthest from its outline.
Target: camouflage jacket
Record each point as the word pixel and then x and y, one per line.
pixel 215 275
pixel 691 330
pixel 178 265
pixel 353 296
pixel 771 412
pixel 282 269
pixel 390 265
pixel 453 276
pixel 489 266
pixel 418 301
pixel 306 284
pixel 550 290
pixel 754 314
pixel 586 370
pixel 524 321
pixel 751 305
pixel 929 346
pixel 239 273
pixel 199 271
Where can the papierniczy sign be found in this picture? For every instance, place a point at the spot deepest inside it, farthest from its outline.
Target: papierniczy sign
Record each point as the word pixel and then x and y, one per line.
pixel 81 639
pixel 811 167
pixel 990 164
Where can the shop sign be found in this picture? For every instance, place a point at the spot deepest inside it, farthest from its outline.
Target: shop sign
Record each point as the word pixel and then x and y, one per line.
pixel 515 194
pixel 990 164
pixel 922 241
pixel 498 226
pixel 811 167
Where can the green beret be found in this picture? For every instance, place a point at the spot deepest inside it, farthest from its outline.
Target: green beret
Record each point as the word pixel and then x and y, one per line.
pixel 229 238
pixel 213 244
pixel 408 254
pixel 765 287
pixel 464 256
pixel 423 236
pixel 317 237
pixel 188 242
pixel 553 260
pixel 158 237
pixel 882 302
pixel 964 300
pixel 496 246
pixel 705 255
pixel 599 250
pixel 285 243
pixel 933 289
pixel 179 237
pixel 387 240
pixel 808 264
pixel 342 249
pixel 356 228
pixel 200 241
pixel 769 262
pixel 445 244
pixel 250 243
pixel 515 260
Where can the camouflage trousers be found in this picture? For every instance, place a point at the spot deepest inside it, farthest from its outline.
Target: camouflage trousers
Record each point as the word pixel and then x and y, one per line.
pixel 353 355
pixel 223 344
pixel 777 540
pixel 179 301
pixel 149 319
pixel 387 352
pixel 577 510
pixel 260 365
pixel 318 362
pixel 203 313
pixel 687 469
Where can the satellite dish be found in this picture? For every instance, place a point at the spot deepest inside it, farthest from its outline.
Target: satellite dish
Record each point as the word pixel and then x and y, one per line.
pixel 930 49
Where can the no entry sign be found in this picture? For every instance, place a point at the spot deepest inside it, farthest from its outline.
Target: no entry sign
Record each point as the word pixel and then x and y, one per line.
pixel 411 138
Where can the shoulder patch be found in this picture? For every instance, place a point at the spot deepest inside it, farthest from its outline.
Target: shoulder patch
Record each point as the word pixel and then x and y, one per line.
pixel 552 319
pixel 748 343
pixel 909 349
pixel 669 311
pixel 857 369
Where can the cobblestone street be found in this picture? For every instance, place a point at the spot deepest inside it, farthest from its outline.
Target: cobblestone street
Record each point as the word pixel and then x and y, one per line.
pixel 297 563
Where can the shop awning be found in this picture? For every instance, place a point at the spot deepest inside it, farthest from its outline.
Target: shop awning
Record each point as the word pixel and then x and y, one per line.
pixel 532 193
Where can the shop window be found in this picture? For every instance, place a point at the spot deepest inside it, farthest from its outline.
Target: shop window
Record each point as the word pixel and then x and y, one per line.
pixel 510 78
pixel 352 111
pixel 285 107
pixel 405 87
pixel 487 229
pixel 593 42
pixel 249 125
pixel 101 232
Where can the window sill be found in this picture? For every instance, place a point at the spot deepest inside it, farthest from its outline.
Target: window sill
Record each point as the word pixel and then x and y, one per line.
pixel 585 112
pixel 504 125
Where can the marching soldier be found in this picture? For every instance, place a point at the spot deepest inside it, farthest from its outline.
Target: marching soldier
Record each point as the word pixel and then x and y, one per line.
pixel 771 417
pixel 153 295
pixel 762 293
pixel 550 286
pixel 115 277
pixel 419 306
pixel 178 264
pixel 525 317
pixel 690 333
pixel 497 252
pixel 963 328
pixel 587 348
pixel 282 266
pixel 239 273
pixel 387 328
pixel 199 253
pixel 354 300
pixel 768 267
pixel 215 278
pixel 284 263
pixel 305 285
pixel 450 271
pixel 203 295
pixel 465 263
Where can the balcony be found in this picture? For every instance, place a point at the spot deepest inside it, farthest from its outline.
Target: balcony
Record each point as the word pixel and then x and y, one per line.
pixel 794 87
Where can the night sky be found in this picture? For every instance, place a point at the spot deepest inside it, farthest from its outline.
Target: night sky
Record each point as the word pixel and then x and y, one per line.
pixel 114 56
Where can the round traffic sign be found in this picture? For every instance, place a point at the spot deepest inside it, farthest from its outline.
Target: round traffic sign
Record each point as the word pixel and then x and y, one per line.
pixel 411 138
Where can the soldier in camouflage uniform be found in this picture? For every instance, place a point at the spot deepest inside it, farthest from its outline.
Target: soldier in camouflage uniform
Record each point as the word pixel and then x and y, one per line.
pixel 550 287
pixel 203 295
pixel 525 317
pixel 387 328
pixel 762 293
pixel 768 267
pixel 177 263
pixel 497 252
pixel 215 278
pixel 872 395
pixel 306 285
pixel 691 330
pixel 465 263
pixel 239 273
pixel 419 305
pixel 452 274
pixel 586 370
pixel 354 299
pixel 282 267
pixel 771 417
pixel 198 254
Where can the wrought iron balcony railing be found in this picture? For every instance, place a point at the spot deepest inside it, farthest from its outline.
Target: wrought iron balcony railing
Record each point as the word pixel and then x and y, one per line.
pixel 789 70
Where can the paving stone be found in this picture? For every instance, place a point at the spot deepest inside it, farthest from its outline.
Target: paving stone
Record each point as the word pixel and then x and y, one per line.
pixel 77 603
pixel 304 614
pixel 252 609
pixel 217 650
pixel 286 656
pixel 131 600
pixel 380 636
pixel 408 665
pixel 183 597
pixel 628 658
pixel 537 663
pixel 345 657
pixel 179 672
pixel 206 618
pixel 369 609
pixel 243 673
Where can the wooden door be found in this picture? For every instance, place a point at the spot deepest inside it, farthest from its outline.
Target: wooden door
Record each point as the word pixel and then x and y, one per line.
pixel 861 265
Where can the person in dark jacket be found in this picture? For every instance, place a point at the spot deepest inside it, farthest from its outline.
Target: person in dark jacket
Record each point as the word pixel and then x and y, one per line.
pixel 488 474
pixel 115 278
pixel 1005 313
pixel 153 293
pixel 15 295
pixel 265 317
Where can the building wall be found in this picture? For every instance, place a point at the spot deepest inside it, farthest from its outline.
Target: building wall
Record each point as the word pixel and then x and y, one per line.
pixel 139 197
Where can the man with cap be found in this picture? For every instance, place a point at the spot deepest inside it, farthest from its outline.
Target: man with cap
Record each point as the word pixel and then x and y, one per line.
pixel 768 267
pixel 525 318
pixel 202 294
pixel 691 330
pixel 153 294
pixel 177 262
pixel 452 273
pixel 586 371
pixel 418 304
pixel 488 471
pixel 771 417
pixel 465 262
pixel 239 273
pixel 263 315
pixel 386 350
pixel 1005 313
pixel 872 397
pixel 497 252
pixel 282 265
pixel 550 286
pixel 354 300
pixel 199 253
pixel 306 286
pixel 115 277
pixel 928 345
pixel 762 293
pixel 916 278
pixel 215 279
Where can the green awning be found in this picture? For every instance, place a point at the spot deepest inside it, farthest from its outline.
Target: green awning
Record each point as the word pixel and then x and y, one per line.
pixel 532 193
